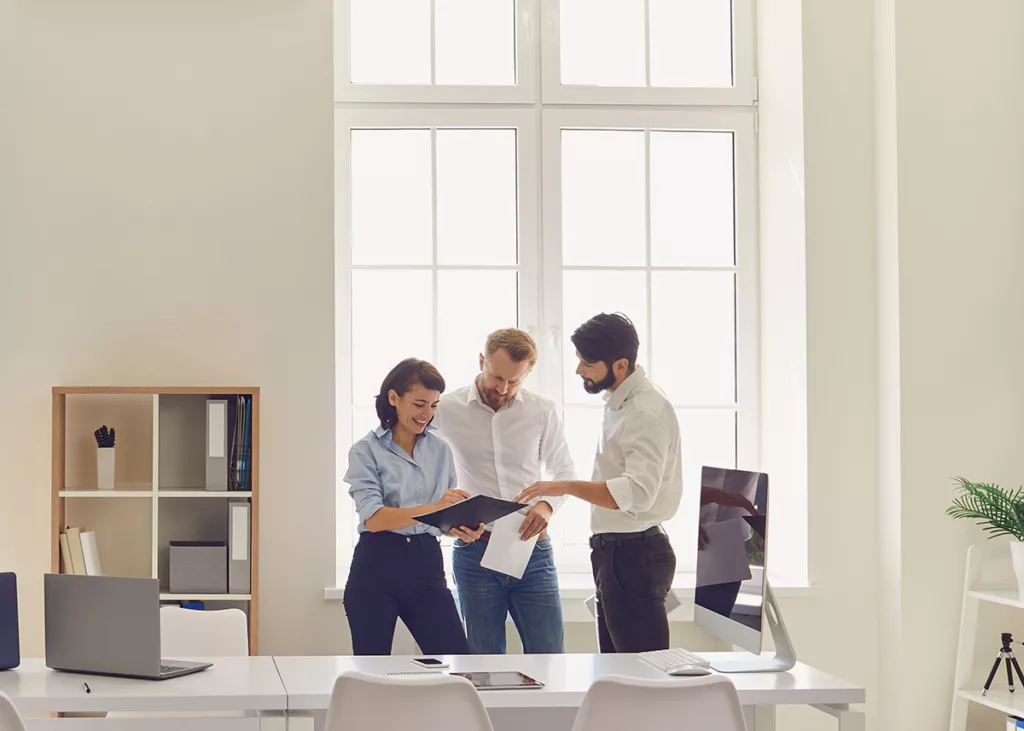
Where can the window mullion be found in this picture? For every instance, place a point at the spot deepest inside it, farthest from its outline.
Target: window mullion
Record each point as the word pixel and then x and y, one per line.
pixel 433 42
pixel 648 350
pixel 433 234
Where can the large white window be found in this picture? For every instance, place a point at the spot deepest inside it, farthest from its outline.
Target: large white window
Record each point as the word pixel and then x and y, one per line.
pixel 534 163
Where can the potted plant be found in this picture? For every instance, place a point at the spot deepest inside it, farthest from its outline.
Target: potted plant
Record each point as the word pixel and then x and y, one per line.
pixel 104 457
pixel 999 512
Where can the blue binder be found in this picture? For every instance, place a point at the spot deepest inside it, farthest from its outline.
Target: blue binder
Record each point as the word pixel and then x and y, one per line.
pixel 10 646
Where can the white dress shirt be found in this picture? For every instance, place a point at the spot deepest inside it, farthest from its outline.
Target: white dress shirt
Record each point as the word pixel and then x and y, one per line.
pixel 498 453
pixel 639 457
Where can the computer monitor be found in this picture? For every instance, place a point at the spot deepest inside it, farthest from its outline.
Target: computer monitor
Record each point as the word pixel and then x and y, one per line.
pixel 732 598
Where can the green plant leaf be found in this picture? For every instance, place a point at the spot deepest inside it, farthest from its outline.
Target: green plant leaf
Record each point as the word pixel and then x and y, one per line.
pixel 998 511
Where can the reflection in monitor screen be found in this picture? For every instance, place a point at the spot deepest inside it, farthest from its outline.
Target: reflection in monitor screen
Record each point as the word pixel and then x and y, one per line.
pixel 731 545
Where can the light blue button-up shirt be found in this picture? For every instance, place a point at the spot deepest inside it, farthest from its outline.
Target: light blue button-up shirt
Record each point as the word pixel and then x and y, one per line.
pixel 382 475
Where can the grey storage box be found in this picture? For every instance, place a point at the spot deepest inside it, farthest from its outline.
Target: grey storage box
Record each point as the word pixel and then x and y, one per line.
pixel 198 567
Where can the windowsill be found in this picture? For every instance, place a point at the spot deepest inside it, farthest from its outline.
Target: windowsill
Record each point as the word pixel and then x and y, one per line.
pixel 576 588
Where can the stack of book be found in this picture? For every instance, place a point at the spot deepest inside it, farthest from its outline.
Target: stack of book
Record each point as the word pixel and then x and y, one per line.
pixel 80 552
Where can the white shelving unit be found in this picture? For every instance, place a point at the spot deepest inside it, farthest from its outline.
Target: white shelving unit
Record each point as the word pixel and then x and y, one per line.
pixel 971 672
pixel 159 472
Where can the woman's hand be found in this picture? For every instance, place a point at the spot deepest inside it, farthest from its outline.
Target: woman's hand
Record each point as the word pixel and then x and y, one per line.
pixel 467 535
pixel 455 495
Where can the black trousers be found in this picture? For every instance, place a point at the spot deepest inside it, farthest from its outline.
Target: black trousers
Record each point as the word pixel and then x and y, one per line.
pixel 396 576
pixel 633 573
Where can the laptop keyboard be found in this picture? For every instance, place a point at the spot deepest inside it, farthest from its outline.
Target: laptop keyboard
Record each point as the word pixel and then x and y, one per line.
pixel 167 669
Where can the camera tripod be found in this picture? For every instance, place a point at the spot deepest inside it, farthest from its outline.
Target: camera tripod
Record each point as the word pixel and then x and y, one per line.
pixel 1005 653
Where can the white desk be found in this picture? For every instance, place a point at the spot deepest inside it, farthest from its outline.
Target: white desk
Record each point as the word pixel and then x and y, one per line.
pixel 286 692
pixel 310 680
pixel 246 684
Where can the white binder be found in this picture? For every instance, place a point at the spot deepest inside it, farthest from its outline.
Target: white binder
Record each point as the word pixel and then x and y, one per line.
pixel 216 444
pixel 239 515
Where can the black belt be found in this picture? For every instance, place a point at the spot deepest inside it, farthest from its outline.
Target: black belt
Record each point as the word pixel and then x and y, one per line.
pixel 607 539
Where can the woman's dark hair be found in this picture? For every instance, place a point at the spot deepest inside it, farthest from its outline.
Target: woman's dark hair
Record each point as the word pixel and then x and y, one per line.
pixel 401 379
pixel 607 338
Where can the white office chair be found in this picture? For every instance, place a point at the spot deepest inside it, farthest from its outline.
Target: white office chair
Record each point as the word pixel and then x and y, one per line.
pixel 10 719
pixel 195 633
pixel 389 703
pixel 707 703
pixel 186 633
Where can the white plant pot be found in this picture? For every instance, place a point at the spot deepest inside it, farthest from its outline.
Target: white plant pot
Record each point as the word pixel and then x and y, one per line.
pixel 1017 558
pixel 105 468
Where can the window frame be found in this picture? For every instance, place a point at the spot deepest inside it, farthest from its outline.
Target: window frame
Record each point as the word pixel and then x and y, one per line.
pixel 523 120
pixel 535 106
pixel 526 59
pixel 741 123
pixel 742 93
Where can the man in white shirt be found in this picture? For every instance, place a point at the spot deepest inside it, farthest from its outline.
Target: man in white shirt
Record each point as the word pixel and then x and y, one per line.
pixel 637 485
pixel 505 438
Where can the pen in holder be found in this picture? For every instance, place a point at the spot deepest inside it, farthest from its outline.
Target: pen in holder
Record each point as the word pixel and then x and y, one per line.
pixel 104 457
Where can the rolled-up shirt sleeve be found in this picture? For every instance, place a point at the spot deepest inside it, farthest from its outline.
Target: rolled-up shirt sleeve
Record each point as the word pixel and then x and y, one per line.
pixel 644 442
pixel 554 453
pixel 363 479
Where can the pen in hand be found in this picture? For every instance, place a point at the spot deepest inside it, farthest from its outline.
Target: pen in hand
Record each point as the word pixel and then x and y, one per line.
pixel 87 690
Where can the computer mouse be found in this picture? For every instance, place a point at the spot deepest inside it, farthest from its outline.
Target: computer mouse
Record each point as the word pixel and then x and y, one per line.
pixel 689 670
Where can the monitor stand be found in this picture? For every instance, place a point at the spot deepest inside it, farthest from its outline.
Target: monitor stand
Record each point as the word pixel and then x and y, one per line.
pixel 782 660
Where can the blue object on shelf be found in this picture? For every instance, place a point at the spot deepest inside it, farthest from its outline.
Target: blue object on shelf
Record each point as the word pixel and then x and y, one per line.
pixel 193 605
pixel 10 646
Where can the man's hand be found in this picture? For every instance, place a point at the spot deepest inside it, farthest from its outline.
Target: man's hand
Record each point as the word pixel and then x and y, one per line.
pixel 542 489
pixel 468 535
pixel 536 521
pixel 702 539
pixel 726 498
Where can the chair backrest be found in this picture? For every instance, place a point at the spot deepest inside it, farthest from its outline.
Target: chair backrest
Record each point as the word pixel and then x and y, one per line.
pixel 10 719
pixel 390 703
pixel 707 703
pixel 203 633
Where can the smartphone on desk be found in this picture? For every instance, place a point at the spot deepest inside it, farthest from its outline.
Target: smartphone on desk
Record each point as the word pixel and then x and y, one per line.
pixel 430 662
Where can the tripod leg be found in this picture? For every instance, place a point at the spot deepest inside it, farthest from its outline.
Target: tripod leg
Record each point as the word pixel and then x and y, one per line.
pixel 1016 667
pixel 1009 674
pixel 992 674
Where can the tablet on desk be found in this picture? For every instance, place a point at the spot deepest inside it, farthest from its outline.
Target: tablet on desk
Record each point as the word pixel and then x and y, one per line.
pixel 503 680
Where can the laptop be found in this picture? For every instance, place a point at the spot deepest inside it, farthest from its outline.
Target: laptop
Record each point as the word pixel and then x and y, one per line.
pixel 10 647
pixel 107 625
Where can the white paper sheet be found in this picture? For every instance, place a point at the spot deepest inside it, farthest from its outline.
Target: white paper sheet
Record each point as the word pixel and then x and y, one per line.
pixel 506 552
pixel 217 429
pixel 724 556
pixel 239 532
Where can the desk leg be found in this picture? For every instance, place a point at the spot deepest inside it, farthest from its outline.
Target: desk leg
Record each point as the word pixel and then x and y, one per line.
pixel 299 721
pixel 273 721
pixel 759 718
pixel 849 719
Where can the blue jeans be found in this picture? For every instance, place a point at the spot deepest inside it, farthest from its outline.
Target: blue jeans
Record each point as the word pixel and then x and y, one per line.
pixel 487 597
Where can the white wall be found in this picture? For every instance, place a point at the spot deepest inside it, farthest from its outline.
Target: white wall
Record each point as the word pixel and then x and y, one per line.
pixel 167 173
pixel 957 156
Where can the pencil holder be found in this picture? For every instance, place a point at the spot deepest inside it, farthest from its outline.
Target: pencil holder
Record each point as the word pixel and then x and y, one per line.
pixel 104 458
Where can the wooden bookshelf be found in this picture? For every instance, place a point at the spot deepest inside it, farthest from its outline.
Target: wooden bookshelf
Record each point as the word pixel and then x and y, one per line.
pixel 159 492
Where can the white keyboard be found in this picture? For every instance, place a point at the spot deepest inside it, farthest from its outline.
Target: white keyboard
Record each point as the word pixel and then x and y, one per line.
pixel 664 660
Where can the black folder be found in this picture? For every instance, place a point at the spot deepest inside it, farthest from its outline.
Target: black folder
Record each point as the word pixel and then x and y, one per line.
pixel 470 513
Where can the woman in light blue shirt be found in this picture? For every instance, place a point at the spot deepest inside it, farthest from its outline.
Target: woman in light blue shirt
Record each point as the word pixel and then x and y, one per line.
pixel 396 472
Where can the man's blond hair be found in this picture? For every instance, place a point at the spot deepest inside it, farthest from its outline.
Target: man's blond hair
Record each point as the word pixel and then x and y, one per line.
pixel 517 343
